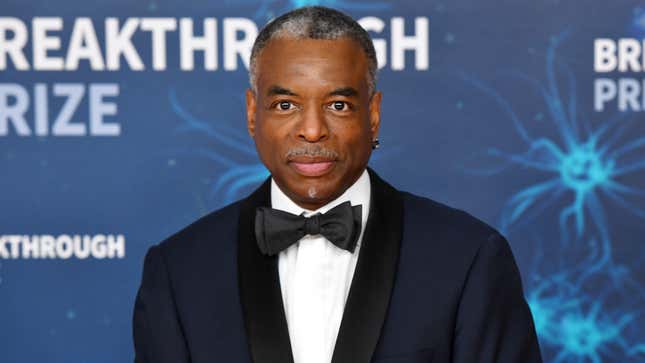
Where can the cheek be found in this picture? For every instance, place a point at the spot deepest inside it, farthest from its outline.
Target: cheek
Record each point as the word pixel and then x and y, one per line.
pixel 263 143
pixel 353 137
pixel 271 139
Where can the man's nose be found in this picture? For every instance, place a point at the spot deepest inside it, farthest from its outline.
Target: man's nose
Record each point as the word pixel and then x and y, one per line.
pixel 313 126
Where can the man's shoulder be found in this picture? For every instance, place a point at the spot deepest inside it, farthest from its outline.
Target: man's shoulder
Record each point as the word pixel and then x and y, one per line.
pixel 434 211
pixel 218 227
pixel 444 222
pixel 446 241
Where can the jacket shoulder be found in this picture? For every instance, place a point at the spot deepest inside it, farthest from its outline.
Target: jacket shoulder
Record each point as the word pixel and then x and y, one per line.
pixel 439 240
pixel 217 227
pixel 446 223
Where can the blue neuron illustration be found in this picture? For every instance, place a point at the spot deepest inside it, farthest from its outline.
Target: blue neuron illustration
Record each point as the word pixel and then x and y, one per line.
pixel 574 325
pixel 580 164
pixel 588 333
pixel 268 9
pixel 586 307
pixel 637 25
pixel 232 151
pixel 581 327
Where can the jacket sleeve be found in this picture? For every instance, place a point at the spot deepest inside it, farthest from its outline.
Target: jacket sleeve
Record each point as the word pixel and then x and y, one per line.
pixel 158 336
pixel 494 323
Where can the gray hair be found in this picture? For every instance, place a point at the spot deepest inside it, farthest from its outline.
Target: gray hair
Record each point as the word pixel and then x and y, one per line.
pixel 315 22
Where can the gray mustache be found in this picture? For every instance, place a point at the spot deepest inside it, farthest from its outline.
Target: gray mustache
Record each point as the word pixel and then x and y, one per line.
pixel 312 151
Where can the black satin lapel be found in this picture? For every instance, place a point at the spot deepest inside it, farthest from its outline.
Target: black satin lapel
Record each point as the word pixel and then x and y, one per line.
pixel 260 294
pixel 369 294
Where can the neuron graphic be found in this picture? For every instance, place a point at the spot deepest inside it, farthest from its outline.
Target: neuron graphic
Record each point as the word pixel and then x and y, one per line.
pixel 581 327
pixel 268 9
pixel 232 150
pixel 580 162
pixel 581 166
pixel 637 26
pixel 589 334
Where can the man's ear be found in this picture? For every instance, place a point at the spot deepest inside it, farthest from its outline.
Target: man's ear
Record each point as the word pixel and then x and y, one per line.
pixel 250 111
pixel 375 113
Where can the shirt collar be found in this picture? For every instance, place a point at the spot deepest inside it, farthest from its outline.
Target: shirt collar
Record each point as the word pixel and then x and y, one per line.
pixel 357 193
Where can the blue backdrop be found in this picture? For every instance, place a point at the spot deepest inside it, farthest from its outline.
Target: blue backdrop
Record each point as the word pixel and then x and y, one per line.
pixel 527 114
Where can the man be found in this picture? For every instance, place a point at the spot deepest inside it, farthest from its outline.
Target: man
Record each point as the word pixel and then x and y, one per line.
pixel 326 262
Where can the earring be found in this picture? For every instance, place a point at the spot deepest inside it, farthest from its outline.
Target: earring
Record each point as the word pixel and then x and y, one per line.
pixel 375 144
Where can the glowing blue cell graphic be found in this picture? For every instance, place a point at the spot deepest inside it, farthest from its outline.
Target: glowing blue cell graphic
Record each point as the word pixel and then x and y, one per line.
pixel 580 163
pixel 586 334
pixel 574 325
pixel 586 306
pixel 579 327
pixel 637 25
pixel 233 152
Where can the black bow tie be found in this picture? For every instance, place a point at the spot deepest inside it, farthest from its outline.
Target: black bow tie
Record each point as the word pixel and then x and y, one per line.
pixel 275 230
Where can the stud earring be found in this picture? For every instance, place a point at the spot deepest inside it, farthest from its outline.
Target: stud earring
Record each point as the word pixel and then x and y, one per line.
pixel 375 144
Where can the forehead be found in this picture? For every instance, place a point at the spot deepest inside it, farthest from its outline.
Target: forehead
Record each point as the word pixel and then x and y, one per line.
pixel 312 63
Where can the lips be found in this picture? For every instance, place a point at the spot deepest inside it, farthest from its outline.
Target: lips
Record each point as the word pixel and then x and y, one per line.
pixel 311 167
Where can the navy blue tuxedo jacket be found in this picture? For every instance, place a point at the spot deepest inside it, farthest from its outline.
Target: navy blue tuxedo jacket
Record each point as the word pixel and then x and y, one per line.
pixel 432 284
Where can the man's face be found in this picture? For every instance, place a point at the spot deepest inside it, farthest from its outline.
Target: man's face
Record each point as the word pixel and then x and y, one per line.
pixel 312 119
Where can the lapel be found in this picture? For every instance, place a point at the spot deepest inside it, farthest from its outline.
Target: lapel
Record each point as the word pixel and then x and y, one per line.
pixel 260 294
pixel 371 288
pixel 369 295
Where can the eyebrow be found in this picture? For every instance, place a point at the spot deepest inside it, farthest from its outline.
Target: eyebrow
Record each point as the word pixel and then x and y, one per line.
pixel 344 91
pixel 277 90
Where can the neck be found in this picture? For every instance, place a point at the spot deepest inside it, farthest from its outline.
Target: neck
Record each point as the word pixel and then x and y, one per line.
pixel 313 202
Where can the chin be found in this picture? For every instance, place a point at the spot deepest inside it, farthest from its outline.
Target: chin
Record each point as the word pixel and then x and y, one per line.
pixel 315 193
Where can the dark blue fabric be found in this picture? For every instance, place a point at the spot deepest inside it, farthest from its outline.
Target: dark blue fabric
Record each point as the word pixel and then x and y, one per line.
pixel 457 295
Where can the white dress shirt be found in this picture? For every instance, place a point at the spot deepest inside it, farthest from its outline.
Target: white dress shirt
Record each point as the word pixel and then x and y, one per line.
pixel 315 277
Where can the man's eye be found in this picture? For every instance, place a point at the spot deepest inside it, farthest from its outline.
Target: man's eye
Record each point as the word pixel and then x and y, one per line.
pixel 284 105
pixel 340 106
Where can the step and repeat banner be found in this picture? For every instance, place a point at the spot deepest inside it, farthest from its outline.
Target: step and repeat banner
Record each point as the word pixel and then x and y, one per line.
pixel 121 122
